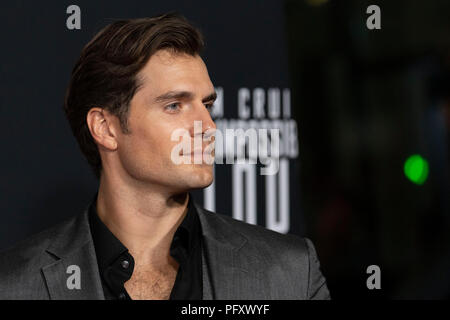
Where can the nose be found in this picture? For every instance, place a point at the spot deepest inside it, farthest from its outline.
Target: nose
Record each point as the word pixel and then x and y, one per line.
pixel 201 114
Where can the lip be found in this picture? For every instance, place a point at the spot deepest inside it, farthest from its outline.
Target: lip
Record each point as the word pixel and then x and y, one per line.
pixel 199 151
pixel 195 153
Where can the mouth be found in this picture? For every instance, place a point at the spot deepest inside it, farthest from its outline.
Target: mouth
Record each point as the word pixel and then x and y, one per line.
pixel 194 152
pixel 197 152
pixel 199 155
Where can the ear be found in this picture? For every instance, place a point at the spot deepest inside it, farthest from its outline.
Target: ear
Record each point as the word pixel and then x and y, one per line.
pixel 103 127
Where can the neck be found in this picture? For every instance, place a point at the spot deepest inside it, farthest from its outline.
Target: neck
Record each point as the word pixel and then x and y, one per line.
pixel 143 220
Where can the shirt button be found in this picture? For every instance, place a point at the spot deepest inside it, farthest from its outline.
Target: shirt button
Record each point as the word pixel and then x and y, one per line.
pixel 122 296
pixel 125 264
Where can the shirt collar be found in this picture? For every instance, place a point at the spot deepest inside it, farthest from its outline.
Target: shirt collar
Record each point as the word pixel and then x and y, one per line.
pixel 108 248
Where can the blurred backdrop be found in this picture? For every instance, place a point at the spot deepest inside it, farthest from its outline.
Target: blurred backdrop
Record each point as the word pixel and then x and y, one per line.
pixel 364 118
pixel 373 108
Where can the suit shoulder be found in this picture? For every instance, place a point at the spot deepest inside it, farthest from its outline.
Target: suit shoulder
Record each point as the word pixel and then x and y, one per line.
pixel 294 257
pixel 29 248
pixel 262 237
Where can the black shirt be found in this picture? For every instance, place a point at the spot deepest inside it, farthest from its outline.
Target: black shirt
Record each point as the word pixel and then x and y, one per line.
pixel 116 264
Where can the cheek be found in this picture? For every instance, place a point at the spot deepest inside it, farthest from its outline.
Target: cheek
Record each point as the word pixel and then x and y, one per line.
pixel 146 148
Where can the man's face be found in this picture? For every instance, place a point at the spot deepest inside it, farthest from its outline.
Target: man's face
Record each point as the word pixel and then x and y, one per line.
pixel 156 112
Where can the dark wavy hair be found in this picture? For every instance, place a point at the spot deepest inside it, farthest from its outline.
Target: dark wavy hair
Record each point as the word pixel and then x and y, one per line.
pixel 105 75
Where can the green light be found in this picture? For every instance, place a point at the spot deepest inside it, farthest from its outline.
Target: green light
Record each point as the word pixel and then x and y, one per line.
pixel 416 169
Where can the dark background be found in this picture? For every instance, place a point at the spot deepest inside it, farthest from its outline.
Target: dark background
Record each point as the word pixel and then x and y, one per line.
pixel 364 100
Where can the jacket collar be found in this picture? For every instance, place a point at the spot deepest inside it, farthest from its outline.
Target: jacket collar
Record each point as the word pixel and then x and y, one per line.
pixel 231 266
pixel 235 268
pixel 73 250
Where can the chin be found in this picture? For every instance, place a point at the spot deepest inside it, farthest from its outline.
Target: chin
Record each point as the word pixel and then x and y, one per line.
pixel 201 176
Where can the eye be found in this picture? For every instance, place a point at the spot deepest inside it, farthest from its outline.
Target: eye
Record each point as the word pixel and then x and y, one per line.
pixel 209 106
pixel 172 107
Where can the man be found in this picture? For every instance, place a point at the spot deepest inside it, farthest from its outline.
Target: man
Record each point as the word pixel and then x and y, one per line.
pixel 142 236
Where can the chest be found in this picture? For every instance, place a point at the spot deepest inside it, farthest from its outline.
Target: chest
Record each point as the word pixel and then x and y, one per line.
pixel 151 284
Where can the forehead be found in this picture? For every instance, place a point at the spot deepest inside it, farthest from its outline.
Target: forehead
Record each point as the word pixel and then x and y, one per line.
pixel 167 71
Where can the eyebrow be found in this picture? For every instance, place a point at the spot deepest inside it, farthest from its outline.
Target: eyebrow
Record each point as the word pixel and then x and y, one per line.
pixel 183 95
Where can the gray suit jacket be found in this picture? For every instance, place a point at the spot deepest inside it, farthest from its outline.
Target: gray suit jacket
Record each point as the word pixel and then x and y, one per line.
pixel 240 261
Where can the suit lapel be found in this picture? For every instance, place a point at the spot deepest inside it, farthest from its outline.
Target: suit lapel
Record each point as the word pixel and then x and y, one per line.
pixel 233 269
pixel 207 287
pixel 73 246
